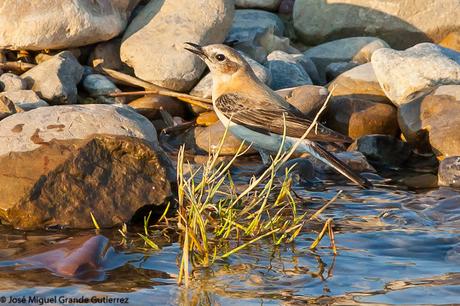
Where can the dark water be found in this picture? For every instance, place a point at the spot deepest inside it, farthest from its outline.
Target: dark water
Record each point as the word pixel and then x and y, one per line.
pixel 394 247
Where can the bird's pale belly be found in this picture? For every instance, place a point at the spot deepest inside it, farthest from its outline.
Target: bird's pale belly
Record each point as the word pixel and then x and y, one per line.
pixel 270 143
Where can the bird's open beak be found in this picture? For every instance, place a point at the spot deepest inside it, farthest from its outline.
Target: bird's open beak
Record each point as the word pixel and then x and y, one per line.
pixel 197 49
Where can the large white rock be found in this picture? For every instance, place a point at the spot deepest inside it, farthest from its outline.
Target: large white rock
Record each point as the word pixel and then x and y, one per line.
pixel 153 43
pixel 401 23
pixel 57 24
pixel 402 74
pixel 27 131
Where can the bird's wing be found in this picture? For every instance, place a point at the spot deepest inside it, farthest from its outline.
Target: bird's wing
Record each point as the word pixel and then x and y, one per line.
pixel 269 117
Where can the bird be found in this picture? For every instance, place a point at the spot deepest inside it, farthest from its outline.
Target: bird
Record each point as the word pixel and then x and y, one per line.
pixel 255 113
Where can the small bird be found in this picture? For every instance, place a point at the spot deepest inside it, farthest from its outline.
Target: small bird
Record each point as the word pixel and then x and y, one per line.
pixel 258 115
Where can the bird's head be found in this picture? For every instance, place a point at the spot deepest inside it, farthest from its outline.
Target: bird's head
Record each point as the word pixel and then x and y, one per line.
pixel 221 60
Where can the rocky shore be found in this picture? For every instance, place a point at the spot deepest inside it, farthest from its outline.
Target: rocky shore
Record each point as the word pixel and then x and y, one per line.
pixel 70 147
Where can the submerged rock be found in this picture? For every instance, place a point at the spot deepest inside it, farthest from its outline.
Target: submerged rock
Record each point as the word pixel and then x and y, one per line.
pixel 357 117
pixel 60 163
pixel 153 44
pixel 403 74
pixel 56 79
pixel 57 24
pixel 382 150
pixel 449 172
pixel 402 23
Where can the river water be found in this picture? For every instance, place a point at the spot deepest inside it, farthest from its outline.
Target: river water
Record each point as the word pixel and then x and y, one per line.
pixel 395 246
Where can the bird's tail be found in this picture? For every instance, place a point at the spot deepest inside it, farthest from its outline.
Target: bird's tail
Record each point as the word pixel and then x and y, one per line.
pixel 320 153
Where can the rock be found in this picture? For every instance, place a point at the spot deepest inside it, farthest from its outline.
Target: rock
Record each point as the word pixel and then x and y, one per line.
pixel 56 79
pixel 433 121
pixel 359 82
pixel 11 82
pixel 153 44
pixel 402 23
pixel 307 98
pixel 300 167
pixel 60 163
pixel 449 172
pixel 207 118
pixel 285 71
pixel 271 5
pixel 204 88
pixel 383 150
pixel 208 138
pixel 422 181
pixel 7 107
pixel 286 7
pixel 247 23
pixel 355 160
pixel 98 86
pixel 310 67
pixel 451 41
pixel 357 117
pixel 333 70
pixel 53 24
pixel 25 100
pixel 403 74
pixel 356 49
pixel 107 54
pixel 149 106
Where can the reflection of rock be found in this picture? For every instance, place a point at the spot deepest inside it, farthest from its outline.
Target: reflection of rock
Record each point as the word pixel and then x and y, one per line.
pixel 60 163
pixel 153 43
pixel 382 149
pixel 402 23
pixel 403 74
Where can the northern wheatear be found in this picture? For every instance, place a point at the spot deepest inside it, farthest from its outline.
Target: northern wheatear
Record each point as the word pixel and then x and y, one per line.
pixel 258 115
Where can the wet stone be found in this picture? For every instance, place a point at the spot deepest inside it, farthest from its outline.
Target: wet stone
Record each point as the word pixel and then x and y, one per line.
pixel 449 172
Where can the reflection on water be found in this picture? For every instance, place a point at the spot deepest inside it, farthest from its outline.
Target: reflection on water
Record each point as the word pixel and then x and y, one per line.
pixel 395 247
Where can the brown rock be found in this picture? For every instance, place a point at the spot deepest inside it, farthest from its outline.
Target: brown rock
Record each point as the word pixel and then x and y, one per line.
pixel 356 117
pixel 359 82
pixel 7 107
pixel 307 98
pixel 207 118
pixel 452 41
pixel 66 180
pixel 422 181
pixel 107 54
pixel 150 105
pixel 433 120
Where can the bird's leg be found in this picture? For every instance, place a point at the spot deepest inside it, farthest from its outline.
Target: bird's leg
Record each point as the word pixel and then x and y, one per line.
pixel 266 163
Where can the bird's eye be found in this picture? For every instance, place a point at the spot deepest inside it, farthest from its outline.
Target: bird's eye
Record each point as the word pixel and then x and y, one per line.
pixel 220 57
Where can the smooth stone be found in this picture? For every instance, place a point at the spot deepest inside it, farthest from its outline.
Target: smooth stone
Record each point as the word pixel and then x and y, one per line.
pixel 357 117
pixel 107 54
pixel 270 5
pixel 359 82
pixel 24 99
pixel 12 82
pixel 207 118
pixel 150 105
pixel 433 121
pixel 300 167
pixel 333 70
pixel 7 107
pixel 382 150
pixel 404 74
pixel 356 49
pixel 247 23
pixel 58 159
pixel 56 79
pixel 422 181
pixel 56 24
pixel 401 23
pixel 204 88
pixel 307 98
pixel 286 7
pixel 451 41
pixel 208 139
pixel 153 43
pixel 449 172
pixel 310 67
pixel 285 71
pixel 99 86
